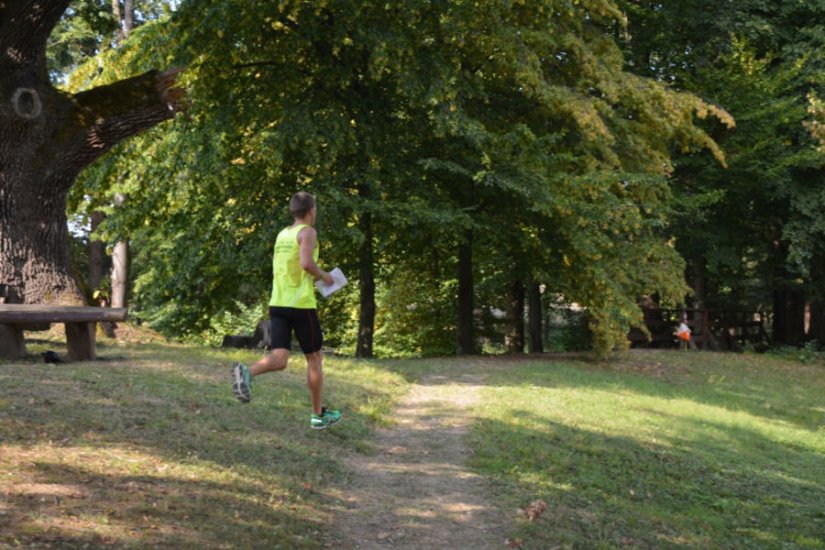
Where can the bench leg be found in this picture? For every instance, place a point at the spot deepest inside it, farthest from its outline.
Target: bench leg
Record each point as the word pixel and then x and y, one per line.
pixel 80 341
pixel 12 344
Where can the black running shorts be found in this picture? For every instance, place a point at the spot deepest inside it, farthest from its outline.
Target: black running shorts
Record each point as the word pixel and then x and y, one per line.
pixel 305 323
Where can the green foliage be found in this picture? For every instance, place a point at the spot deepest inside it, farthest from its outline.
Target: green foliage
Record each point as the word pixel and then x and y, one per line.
pixel 756 227
pixel 808 353
pixel 85 28
pixel 568 328
pixel 243 320
pixel 417 315
pixel 88 27
pixel 513 121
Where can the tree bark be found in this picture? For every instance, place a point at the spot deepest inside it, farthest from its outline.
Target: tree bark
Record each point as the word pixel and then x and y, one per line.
pixel 514 337
pixel 118 15
pixel 120 275
pixel 466 336
pixel 128 17
pixel 46 138
pixel 366 319
pixel 534 318
pixel 120 267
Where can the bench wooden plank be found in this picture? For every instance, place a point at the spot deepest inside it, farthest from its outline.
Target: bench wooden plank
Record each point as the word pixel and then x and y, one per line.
pixel 80 322
pixel 11 314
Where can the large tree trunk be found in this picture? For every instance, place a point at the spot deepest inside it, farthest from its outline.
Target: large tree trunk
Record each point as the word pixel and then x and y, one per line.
pixel 34 252
pixel 366 319
pixel 46 138
pixel 534 317
pixel 466 336
pixel 514 335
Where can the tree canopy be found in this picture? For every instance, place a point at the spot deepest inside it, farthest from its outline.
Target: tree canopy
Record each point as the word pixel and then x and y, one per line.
pixel 465 155
pixel 419 125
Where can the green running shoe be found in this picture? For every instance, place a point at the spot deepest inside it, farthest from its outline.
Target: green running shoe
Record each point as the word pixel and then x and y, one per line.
pixel 325 419
pixel 241 382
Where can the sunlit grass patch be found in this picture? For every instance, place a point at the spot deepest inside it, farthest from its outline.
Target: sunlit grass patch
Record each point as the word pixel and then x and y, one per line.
pixel 658 450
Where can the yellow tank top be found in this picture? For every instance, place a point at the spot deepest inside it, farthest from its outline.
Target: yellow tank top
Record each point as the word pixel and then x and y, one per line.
pixel 291 285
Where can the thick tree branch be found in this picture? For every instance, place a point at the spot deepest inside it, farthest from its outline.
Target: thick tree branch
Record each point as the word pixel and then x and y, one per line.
pixel 25 26
pixel 106 115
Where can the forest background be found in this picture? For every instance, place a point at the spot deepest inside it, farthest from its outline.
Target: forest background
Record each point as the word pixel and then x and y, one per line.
pixel 480 165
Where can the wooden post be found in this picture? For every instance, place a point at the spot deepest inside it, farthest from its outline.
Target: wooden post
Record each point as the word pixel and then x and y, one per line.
pixel 80 341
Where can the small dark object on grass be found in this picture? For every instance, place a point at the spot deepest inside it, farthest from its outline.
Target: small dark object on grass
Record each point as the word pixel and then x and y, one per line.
pixel 52 357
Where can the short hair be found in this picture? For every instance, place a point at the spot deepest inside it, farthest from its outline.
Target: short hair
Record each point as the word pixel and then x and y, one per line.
pixel 301 203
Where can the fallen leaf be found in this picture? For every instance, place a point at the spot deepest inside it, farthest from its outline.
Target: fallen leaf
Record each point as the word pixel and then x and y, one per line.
pixel 535 509
pixel 514 543
pixel 383 536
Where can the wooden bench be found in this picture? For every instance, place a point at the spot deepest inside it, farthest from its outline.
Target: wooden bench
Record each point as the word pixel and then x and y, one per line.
pixel 80 322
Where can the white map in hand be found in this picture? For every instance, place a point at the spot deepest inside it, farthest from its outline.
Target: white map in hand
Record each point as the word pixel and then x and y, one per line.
pixel 339 281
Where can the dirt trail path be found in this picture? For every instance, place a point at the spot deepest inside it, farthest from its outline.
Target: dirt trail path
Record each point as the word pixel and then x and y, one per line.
pixel 416 492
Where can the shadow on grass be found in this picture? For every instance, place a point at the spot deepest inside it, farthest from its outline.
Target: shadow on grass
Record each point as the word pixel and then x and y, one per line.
pixel 71 506
pixel 618 491
pixel 244 475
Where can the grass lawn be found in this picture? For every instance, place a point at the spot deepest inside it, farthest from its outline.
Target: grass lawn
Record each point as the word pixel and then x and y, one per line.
pixel 148 448
pixel 660 450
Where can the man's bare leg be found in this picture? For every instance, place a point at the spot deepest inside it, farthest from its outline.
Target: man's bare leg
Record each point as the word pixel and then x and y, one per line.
pixel 315 380
pixel 274 361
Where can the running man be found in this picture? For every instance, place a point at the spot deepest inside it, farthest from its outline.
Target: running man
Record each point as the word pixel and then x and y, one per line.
pixel 292 307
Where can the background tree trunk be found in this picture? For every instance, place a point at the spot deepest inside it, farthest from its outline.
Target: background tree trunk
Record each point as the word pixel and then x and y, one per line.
pixel 514 336
pixel 120 275
pixel 97 253
pixel 366 319
pixel 788 317
pixel 534 318
pixel 128 17
pixel 120 266
pixel 466 337
pixel 817 327
pixel 118 15
pixel 698 269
